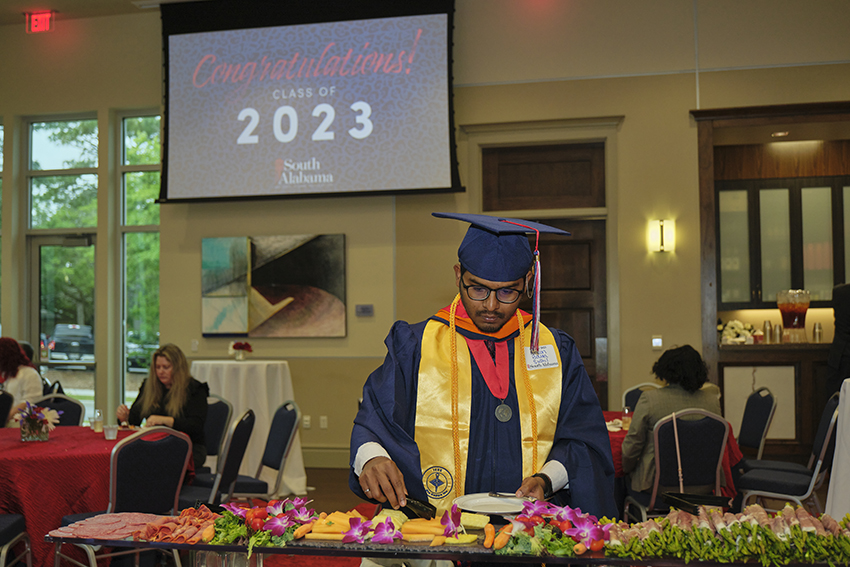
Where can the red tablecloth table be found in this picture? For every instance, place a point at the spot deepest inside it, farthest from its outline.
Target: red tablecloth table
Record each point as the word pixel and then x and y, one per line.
pixel 730 457
pixel 44 481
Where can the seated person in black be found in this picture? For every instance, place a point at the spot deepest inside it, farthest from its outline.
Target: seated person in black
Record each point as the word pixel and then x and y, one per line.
pixel 170 397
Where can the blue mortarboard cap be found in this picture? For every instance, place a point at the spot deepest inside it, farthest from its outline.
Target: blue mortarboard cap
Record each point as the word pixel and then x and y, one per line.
pixel 496 248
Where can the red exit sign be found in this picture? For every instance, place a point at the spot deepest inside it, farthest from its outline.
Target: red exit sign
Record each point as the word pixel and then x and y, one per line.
pixel 38 22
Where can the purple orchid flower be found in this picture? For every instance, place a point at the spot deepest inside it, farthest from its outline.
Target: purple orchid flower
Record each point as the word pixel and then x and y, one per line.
pixel 537 508
pixel 358 532
pixel 235 510
pixel 451 519
pixel 296 502
pixel 385 532
pixel 275 507
pixel 278 525
pixel 566 513
pixel 303 515
pixel 520 523
pixel 585 530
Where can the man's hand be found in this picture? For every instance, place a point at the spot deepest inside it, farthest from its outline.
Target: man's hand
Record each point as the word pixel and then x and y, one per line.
pixel 382 480
pixel 532 487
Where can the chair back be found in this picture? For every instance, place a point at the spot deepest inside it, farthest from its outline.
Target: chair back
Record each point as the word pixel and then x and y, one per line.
pixel 147 470
pixel 281 434
pixel 47 388
pixel 219 414
pixel 231 456
pixel 7 401
pixel 73 411
pixel 702 439
pixel 823 446
pixel 758 414
pixel 632 395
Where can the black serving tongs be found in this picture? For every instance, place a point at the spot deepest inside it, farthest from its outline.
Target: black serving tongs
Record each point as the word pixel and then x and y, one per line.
pixel 419 509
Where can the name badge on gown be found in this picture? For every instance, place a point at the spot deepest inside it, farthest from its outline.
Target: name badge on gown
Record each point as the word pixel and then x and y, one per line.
pixel 546 357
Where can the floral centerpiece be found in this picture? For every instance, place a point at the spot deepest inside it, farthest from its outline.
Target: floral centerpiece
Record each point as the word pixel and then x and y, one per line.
pixel 735 333
pixel 37 422
pixel 239 349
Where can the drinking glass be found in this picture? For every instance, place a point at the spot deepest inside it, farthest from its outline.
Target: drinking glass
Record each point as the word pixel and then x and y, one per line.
pixel 97 421
pixel 627 418
pixel 110 431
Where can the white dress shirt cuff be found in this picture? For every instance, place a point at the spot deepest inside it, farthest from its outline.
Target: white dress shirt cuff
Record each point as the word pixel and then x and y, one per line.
pixel 557 473
pixel 367 452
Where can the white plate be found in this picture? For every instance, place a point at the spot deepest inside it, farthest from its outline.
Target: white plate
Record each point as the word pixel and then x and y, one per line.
pixel 483 503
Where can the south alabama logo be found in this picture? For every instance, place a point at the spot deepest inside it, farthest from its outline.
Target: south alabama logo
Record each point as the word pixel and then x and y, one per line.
pixel 438 482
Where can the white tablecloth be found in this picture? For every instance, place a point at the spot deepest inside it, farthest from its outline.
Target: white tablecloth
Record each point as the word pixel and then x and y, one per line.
pixel 260 385
pixel 838 496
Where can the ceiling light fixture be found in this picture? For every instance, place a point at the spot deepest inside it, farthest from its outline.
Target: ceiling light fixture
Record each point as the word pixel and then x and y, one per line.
pixel 780 134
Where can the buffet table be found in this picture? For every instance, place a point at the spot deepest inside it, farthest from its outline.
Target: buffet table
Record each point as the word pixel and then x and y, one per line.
pixel 260 385
pixel 44 481
pixel 467 553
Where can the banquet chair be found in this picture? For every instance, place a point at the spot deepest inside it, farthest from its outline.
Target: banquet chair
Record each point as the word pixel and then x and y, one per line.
pixel 794 482
pixel 702 441
pixel 747 465
pixel 219 414
pixel 7 402
pixel 282 432
pixel 146 471
pixel 632 395
pixel 73 411
pixel 758 414
pixel 13 530
pixel 229 462
pixel 47 388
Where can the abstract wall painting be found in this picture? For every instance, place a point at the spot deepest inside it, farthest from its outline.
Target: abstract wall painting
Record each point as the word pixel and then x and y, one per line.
pixel 274 286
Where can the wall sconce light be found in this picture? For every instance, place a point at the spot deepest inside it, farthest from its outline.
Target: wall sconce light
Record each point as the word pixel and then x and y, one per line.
pixel 661 235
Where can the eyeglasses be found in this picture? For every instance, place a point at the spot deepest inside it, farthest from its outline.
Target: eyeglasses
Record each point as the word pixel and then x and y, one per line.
pixel 478 292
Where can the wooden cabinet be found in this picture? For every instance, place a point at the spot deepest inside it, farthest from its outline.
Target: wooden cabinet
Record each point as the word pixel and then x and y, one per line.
pixel 766 363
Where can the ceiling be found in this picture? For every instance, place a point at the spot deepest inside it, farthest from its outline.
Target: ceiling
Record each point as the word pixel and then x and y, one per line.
pixel 12 11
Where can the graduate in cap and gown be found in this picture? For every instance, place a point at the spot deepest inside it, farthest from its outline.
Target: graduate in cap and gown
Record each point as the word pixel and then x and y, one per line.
pixel 481 397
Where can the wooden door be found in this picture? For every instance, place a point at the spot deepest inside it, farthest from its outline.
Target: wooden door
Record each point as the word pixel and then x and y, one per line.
pixel 573 292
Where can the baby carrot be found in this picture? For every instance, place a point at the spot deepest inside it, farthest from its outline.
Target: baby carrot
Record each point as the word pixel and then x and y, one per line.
pixel 489 535
pixel 208 533
pixel 503 538
pixel 579 548
pixel 302 530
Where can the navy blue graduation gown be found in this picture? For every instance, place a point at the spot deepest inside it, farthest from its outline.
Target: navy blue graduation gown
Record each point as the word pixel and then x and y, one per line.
pixel 387 416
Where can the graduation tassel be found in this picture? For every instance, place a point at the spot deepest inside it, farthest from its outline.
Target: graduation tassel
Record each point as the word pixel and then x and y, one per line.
pixel 535 301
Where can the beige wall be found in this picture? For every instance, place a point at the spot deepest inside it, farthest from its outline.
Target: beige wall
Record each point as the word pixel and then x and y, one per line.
pixel 625 72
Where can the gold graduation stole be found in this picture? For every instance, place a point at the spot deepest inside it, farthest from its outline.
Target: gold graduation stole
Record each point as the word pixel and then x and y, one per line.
pixel 442 434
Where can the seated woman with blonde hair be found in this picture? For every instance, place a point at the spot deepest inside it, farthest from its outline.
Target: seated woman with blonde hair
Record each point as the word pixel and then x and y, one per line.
pixel 684 373
pixel 170 396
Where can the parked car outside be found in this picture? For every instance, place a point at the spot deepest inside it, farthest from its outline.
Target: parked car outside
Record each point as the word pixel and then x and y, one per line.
pixel 139 356
pixel 71 343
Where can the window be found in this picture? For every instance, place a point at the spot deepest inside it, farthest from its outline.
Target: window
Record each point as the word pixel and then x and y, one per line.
pixel 63 174
pixel 140 179
pixel 63 184
pixel 776 234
